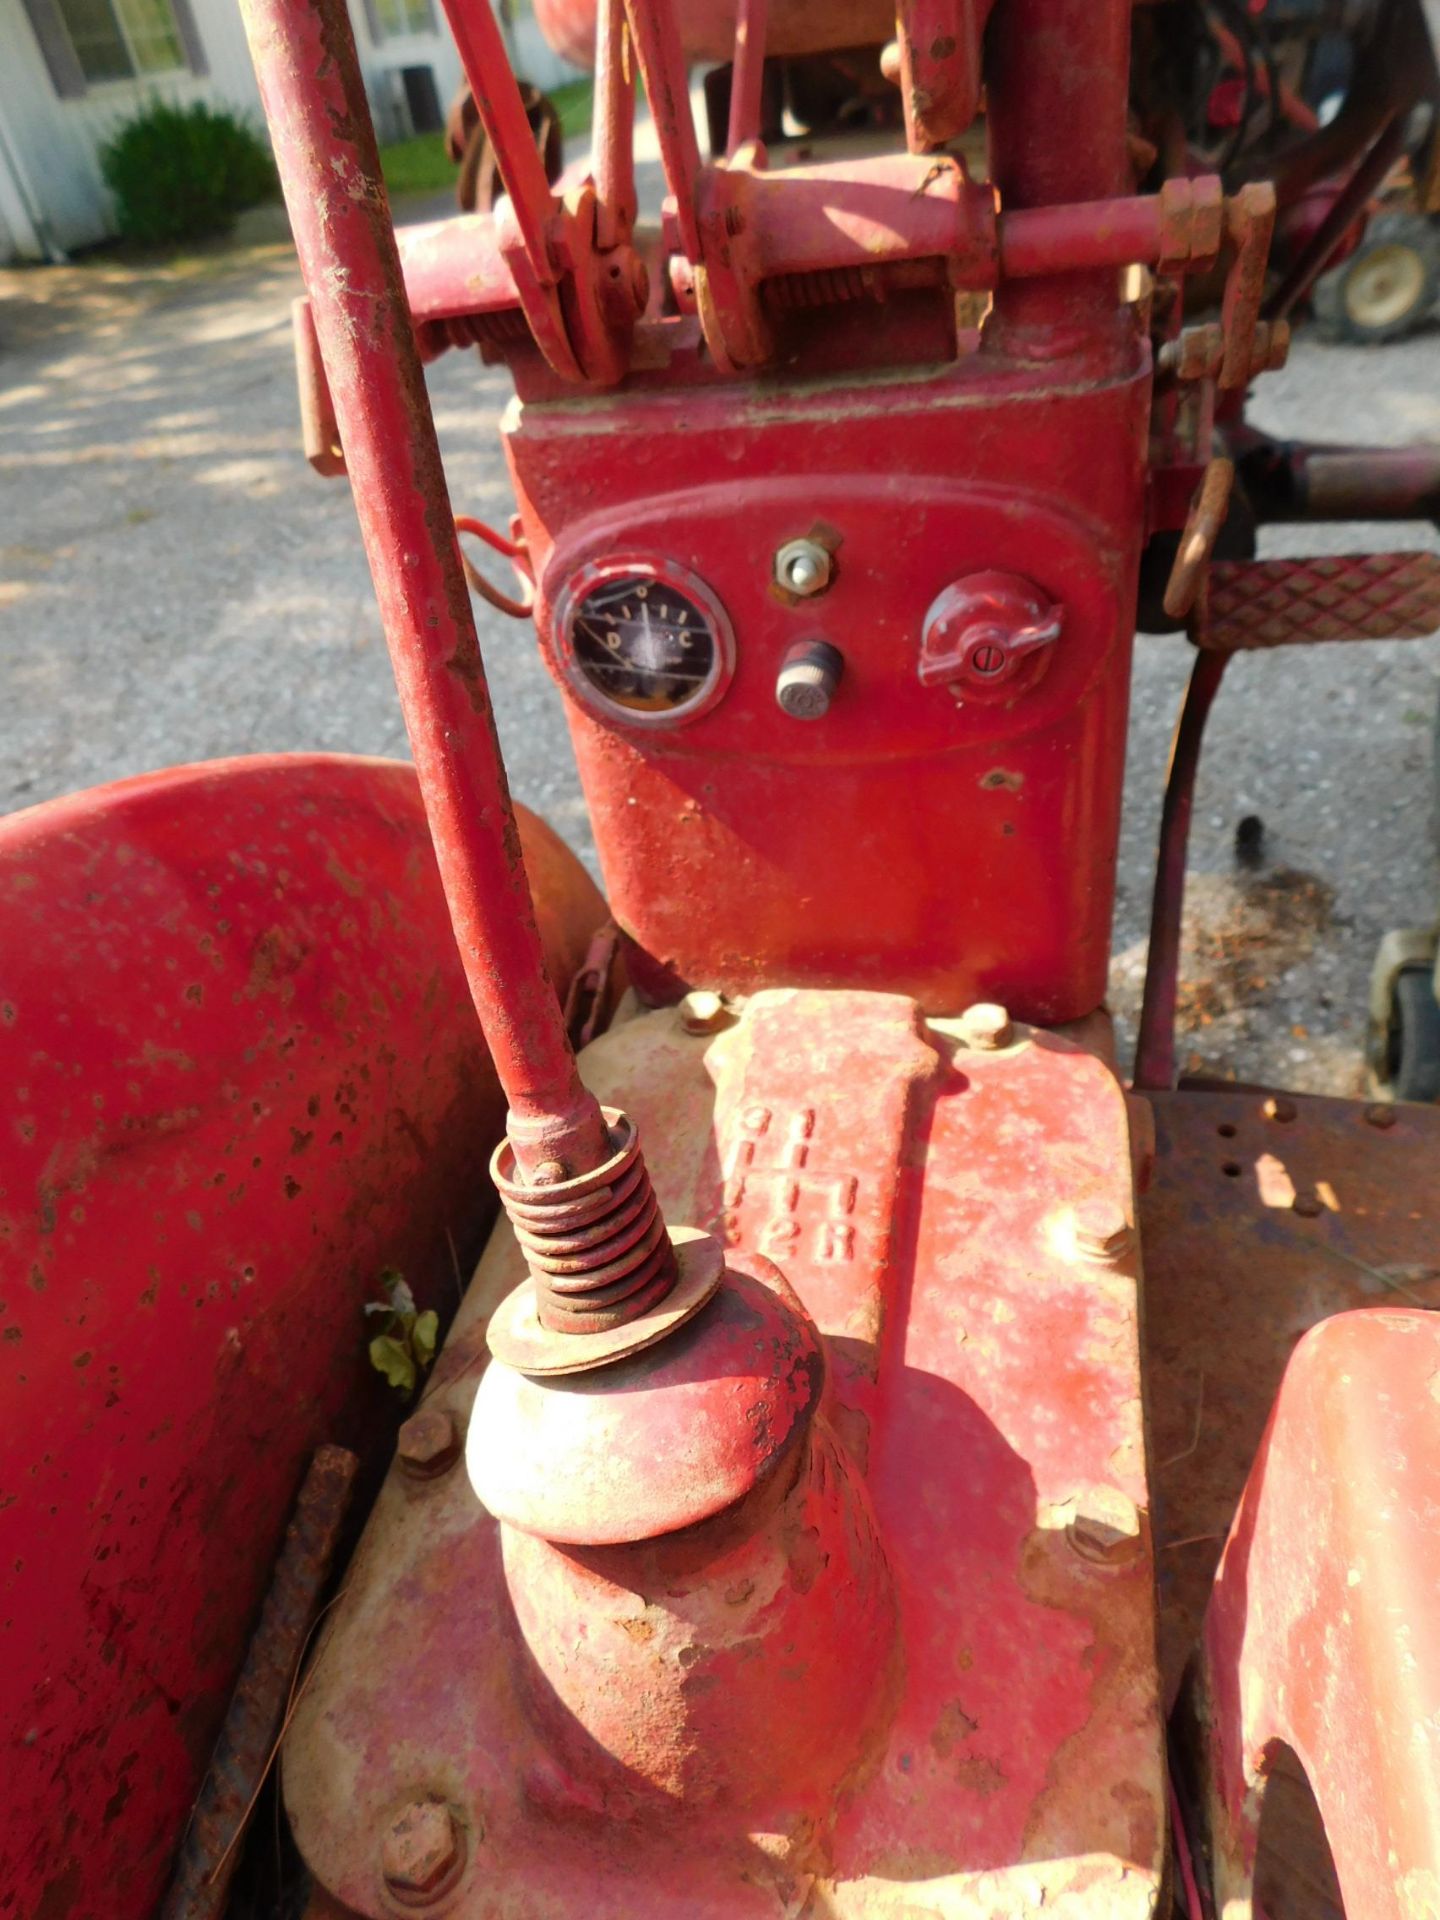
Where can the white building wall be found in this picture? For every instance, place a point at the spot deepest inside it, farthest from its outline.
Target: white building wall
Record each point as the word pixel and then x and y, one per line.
pixel 58 141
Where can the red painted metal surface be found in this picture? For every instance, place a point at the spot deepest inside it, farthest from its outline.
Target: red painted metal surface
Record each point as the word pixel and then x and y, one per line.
pixel 929 1206
pixel 241 1077
pixel 942 818
pixel 1001 453
pixel 655 32
pixel 1321 1630
pixel 726 1640
pixel 752 18
pixel 708 26
pixel 1056 79
pixel 614 130
pixel 939 44
pixel 314 99
pixel 748 240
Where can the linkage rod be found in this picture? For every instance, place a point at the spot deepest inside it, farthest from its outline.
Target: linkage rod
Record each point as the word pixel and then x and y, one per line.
pixel 502 114
pixel 314 98
pixel 655 31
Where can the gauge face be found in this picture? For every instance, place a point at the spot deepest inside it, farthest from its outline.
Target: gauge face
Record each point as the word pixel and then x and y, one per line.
pixel 645 641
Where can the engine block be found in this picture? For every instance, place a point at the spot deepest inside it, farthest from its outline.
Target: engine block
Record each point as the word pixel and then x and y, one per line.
pixel 963 1524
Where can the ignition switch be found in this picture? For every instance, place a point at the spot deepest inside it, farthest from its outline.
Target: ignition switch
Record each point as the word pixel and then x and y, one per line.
pixel 988 637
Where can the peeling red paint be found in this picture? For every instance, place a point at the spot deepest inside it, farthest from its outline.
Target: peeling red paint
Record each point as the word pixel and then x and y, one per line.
pixel 146 1465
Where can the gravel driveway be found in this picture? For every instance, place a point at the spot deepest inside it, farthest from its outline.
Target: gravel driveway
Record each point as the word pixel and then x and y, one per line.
pixel 174 585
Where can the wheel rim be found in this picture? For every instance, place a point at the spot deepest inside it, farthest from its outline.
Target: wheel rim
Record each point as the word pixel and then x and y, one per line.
pixel 1384 286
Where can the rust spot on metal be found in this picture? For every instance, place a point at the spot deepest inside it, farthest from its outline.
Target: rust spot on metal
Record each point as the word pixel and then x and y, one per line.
pixel 953 1726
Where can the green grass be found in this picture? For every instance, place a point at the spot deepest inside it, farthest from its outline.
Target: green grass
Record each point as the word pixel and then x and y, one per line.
pixel 574 102
pixel 420 165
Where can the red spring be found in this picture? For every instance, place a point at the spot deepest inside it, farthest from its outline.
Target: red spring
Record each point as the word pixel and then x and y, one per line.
pixel 820 287
pixel 596 1245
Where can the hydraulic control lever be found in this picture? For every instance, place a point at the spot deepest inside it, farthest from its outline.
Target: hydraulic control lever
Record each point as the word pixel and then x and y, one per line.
pixel 605 1275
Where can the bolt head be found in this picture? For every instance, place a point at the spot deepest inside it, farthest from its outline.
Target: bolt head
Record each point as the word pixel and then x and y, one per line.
pixel 803 567
pixel 704 1012
pixel 428 1441
pixel 421 1855
pixel 1382 1117
pixel 1107 1529
pixel 1102 1231
pixel 986 1027
pixel 1277 1107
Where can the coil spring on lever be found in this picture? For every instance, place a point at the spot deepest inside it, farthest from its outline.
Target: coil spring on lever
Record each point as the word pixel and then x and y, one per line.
pixel 596 1245
pixel 820 287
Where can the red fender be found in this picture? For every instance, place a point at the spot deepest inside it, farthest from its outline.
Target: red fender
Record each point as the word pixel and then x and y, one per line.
pixel 239 1075
pixel 1321 1630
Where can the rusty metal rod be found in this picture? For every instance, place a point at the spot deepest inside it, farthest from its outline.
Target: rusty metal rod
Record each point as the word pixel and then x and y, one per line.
pixel 1297 480
pixel 210 1851
pixel 314 99
pixel 1369 483
pixel 1155 1043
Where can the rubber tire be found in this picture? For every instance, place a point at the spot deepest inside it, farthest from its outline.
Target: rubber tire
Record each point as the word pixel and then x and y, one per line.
pixel 1411 230
pixel 1415 1036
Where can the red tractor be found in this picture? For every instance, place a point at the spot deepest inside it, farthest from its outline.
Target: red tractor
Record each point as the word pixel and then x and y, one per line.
pixel 885 1461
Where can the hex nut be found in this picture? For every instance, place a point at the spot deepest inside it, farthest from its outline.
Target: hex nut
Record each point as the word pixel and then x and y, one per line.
pixel 803 567
pixel 428 1442
pixel 422 1854
pixel 1107 1529
pixel 986 1027
pixel 1102 1232
pixel 702 1011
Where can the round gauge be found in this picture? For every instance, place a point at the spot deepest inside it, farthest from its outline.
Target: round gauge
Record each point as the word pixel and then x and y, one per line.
pixel 644 641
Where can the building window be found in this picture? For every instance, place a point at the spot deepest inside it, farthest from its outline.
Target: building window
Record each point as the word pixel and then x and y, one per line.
pixel 396 17
pixel 122 39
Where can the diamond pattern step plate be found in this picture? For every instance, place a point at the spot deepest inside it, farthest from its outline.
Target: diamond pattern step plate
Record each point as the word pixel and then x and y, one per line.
pixel 1351 596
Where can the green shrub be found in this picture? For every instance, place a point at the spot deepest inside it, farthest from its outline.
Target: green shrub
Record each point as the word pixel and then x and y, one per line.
pixel 183 173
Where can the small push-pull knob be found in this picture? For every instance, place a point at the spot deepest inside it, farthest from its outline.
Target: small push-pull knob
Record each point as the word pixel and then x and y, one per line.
pixel 809 675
